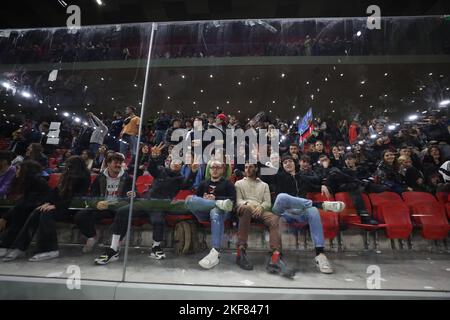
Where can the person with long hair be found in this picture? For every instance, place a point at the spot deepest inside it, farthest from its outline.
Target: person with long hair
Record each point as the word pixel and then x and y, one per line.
pixel 433 160
pixel 88 158
pixel 28 188
pixel 388 172
pixel 34 152
pixel 74 182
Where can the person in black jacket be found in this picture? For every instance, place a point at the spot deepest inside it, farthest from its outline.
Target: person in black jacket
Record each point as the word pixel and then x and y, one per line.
pixel 214 201
pixel 355 180
pixel 415 180
pixel 388 174
pixel 291 204
pixel 29 188
pixel 167 182
pixel 74 182
pixel 109 190
pixel 162 123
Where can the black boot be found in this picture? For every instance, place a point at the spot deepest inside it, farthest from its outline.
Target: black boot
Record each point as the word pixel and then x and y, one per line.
pixel 242 260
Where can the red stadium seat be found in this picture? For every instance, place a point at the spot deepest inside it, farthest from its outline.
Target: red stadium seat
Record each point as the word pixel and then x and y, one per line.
pixel 330 220
pixel 428 214
pixel 413 197
pixel 183 194
pixel 53 180
pixel 52 163
pixel 143 183
pixel 318 197
pixel 330 224
pixel 442 197
pixel 349 215
pixel 447 208
pixel 389 209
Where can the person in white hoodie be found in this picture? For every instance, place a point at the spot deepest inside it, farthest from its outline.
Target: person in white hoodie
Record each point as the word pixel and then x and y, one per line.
pixel 99 133
pixel 110 190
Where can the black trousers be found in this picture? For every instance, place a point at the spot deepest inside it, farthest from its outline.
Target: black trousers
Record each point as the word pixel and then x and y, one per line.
pixel 86 220
pixel 18 217
pixel 355 190
pixel 44 223
pixel 156 218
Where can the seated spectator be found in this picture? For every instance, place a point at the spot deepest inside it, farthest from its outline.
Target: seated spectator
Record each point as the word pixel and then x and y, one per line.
pixel 166 184
pixel 253 201
pixel 319 150
pixel 407 150
pixel 290 203
pixel 74 182
pixel 432 161
pixel 414 179
pixel 355 180
pixel 274 167
pixel 7 172
pixel 294 151
pixel 18 143
pixel 64 158
pixel 88 159
pixel 29 190
pixel 34 152
pixel 213 201
pixel 109 188
pixel 337 158
pixel 388 175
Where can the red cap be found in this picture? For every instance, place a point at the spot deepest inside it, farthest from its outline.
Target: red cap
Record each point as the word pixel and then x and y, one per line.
pixel 222 117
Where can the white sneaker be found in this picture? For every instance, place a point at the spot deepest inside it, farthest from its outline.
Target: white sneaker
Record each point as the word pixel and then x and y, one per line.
pixel 323 264
pixel 13 255
pixel 44 256
pixel 89 246
pixel 335 206
pixel 3 252
pixel 211 260
pixel 225 205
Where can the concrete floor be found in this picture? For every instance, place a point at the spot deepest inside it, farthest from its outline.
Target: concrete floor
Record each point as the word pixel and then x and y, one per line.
pixel 399 270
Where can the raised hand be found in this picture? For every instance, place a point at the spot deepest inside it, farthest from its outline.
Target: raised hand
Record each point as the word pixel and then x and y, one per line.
pixel 156 150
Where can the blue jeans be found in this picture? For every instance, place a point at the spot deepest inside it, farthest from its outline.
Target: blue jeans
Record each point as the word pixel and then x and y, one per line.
pixel 300 210
pixel 131 144
pixel 205 210
pixel 93 147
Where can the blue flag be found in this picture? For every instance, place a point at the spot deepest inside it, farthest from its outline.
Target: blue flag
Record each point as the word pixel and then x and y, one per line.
pixel 303 125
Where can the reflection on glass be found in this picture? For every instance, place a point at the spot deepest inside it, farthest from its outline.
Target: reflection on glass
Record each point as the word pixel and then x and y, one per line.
pixel 287 147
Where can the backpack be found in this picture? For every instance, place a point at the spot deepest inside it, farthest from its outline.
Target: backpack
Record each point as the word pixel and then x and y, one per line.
pixel 185 238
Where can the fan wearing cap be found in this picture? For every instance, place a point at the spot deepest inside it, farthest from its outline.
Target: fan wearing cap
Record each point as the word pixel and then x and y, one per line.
pixel 107 189
pixel 290 203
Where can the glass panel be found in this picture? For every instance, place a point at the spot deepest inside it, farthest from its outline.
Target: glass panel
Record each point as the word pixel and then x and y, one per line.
pixel 59 91
pixel 368 90
pixel 287 83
